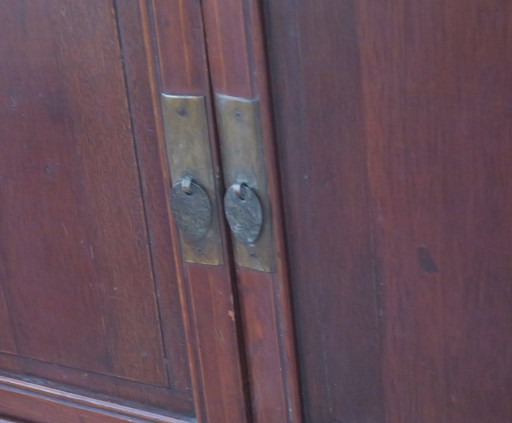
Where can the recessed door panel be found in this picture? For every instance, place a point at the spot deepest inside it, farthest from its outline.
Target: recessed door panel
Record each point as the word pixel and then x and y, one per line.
pixel 82 305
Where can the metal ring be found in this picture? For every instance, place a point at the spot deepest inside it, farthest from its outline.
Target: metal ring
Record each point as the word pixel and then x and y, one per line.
pixel 186 185
pixel 240 190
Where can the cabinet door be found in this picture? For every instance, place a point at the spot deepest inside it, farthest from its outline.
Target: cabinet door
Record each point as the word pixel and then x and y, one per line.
pixel 394 124
pixel 100 319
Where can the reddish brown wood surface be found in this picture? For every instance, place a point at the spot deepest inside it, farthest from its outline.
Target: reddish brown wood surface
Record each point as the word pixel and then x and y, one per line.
pixel 219 366
pixel 236 57
pixel 89 287
pixel 260 307
pixel 230 46
pixel 444 231
pixel 394 128
pixel 323 165
pixel 180 41
pixel 71 197
pixel 140 76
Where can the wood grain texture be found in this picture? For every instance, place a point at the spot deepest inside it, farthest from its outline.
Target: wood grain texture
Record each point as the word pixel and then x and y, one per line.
pixel 316 76
pixel 236 56
pixel 69 180
pixel 85 251
pixel 439 126
pixel 180 43
pixel 140 72
pixel 214 316
pixel 230 45
pixel 208 291
pixel 394 130
pixel 260 316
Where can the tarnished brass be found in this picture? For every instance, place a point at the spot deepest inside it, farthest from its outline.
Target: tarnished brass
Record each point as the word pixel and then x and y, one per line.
pixel 244 213
pixel 190 162
pixel 243 162
pixel 191 209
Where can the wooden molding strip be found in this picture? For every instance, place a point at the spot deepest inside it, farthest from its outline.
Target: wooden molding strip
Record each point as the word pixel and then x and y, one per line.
pixel 50 405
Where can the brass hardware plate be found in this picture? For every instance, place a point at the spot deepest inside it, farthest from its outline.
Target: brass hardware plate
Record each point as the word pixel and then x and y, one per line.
pixel 243 162
pixel 189 156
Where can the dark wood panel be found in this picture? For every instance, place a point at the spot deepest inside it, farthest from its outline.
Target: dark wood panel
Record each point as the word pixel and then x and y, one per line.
pixel 439 129
pixel 86 250
pixel 71 196
pixel 317 97
pixel 394 128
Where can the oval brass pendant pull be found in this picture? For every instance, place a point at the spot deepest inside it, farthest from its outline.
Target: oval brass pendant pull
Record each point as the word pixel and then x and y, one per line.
pixel 191 209
pixel 243 212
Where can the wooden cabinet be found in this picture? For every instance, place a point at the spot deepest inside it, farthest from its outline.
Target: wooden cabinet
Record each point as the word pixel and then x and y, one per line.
pixel 385 147
pixel 102 317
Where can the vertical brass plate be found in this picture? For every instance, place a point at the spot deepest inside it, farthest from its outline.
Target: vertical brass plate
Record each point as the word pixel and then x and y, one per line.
pixel 243 162
pixel 189 155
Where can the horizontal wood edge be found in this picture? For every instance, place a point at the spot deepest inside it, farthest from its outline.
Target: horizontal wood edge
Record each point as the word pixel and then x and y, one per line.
pixel 65 402
pixel 3 419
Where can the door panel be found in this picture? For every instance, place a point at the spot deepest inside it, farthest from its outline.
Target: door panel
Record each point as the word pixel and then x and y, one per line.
pixel 394 130
pixel 89 287
pixel 70 184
